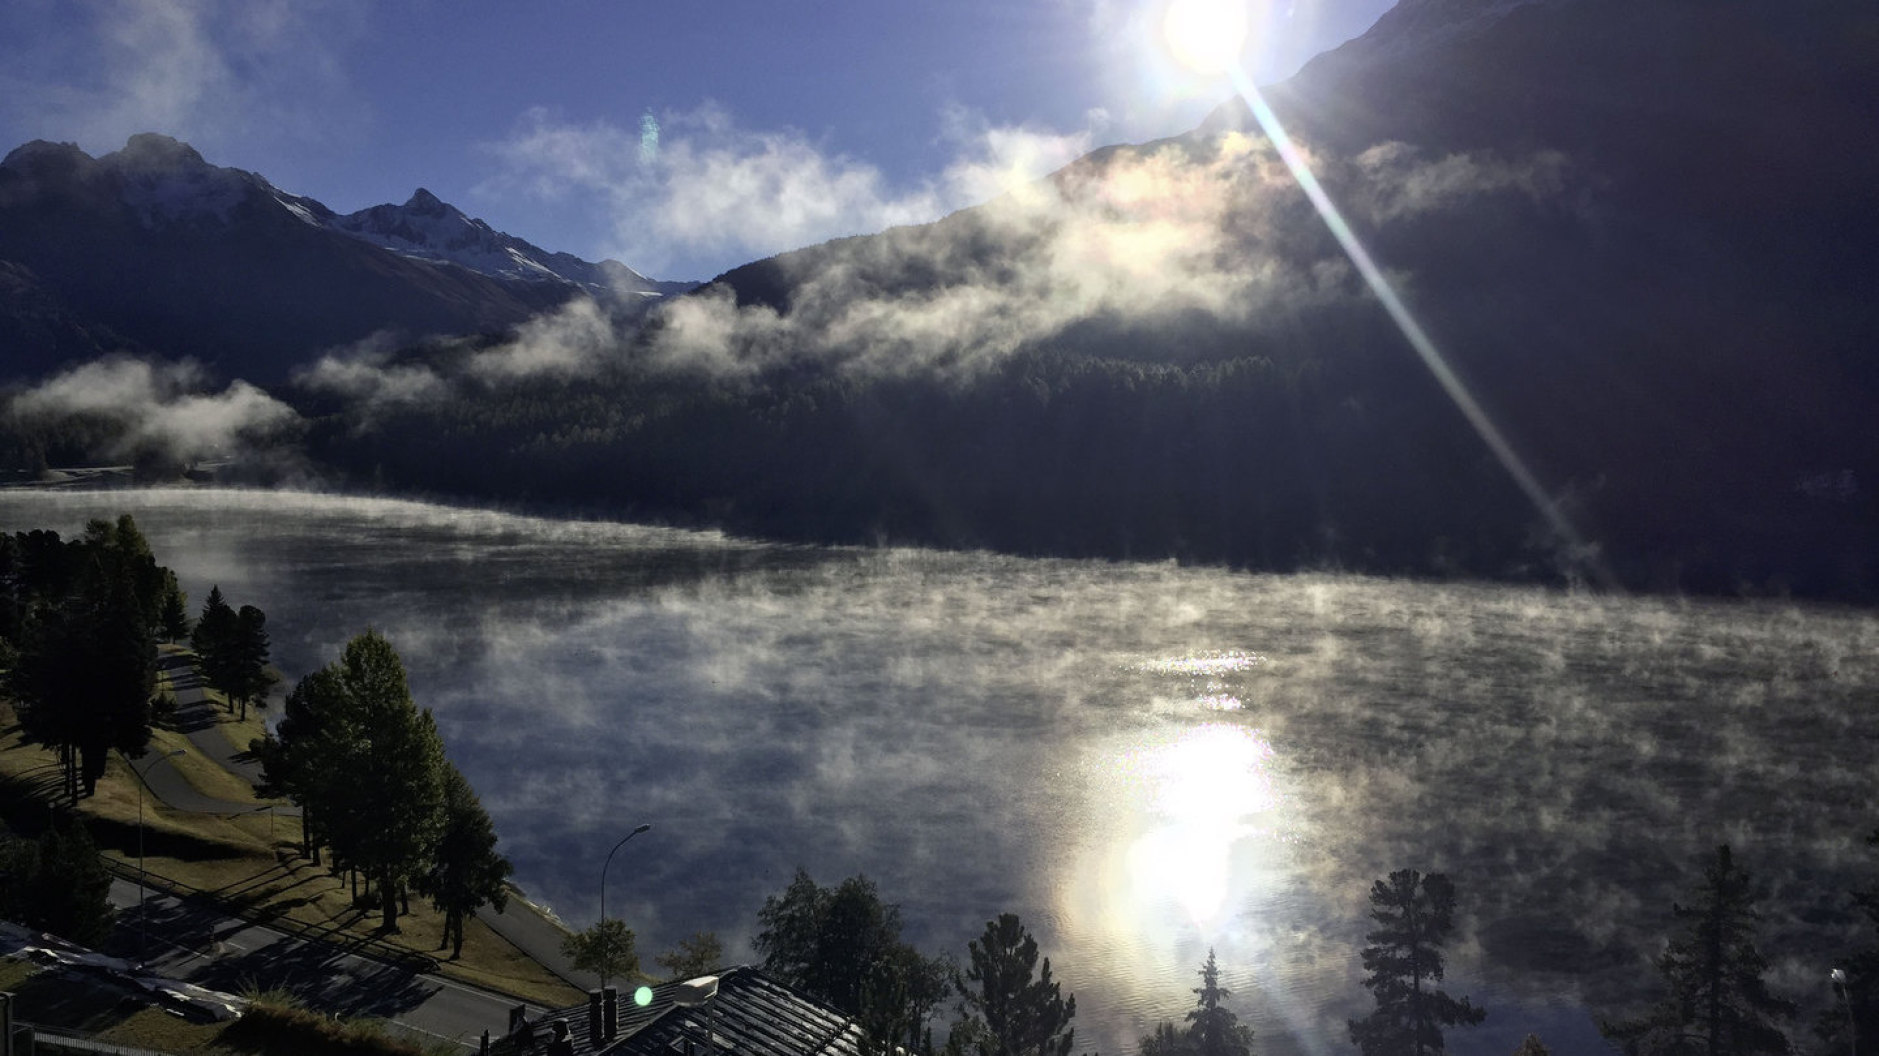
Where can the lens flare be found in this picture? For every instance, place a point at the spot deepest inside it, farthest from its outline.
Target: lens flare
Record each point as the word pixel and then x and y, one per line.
pixel 1412 331
pixel 1206 35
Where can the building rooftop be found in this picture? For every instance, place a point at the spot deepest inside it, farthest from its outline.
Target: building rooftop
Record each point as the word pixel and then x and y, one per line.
pixel 751 1015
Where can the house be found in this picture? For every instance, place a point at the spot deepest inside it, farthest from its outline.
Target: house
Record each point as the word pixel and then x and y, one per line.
pixel 739 1011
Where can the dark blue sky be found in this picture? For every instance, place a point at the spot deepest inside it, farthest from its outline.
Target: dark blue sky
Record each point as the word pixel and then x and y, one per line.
pixel 779 123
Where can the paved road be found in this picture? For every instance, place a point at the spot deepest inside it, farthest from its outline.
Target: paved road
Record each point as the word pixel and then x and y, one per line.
pixel 192 941
pixel 196 716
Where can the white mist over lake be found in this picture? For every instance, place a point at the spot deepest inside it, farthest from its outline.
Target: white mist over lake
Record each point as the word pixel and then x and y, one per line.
pixel 1143 761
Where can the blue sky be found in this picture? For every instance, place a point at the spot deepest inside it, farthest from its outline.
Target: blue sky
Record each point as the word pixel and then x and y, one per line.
pixel 778 124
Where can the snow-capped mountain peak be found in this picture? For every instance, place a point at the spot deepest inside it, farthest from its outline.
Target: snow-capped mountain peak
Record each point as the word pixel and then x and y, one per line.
pixel 427 228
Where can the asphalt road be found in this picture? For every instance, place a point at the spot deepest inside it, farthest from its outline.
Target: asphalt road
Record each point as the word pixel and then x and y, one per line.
pixel 193 942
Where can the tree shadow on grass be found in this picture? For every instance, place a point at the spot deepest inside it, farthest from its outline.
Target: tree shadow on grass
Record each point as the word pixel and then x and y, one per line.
pixel 76 1000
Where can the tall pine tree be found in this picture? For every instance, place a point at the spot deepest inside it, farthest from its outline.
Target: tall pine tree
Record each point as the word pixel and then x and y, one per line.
pixel 1414 914
pixel 1015 1007
pixel 1717 1003
pixel 466 872
pixel 1212 1030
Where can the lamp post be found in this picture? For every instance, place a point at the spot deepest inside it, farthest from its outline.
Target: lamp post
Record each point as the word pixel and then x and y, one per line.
pixel 603 878
pixel 143 774
pixel 1838 976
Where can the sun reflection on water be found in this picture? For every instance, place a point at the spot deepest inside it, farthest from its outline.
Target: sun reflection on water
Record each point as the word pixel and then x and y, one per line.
pixel 1201 795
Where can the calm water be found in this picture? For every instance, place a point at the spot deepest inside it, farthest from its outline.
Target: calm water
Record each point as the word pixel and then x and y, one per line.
pixel 1141 760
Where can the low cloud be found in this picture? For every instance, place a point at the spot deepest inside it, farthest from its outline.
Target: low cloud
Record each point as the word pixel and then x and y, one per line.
pixel 706 188
pixel 1188 236
pixel 1134 238
pixel 163 406
pixel 571 341
pixel 1396 181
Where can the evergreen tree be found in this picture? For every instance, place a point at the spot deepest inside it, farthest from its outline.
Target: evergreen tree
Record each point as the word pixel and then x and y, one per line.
pixel 1213 1028
pixel 790 928
pixel 118 551
pixel 69 894
pixel 692 957
pixel 50 698
pixel 898 998
pixel 85 679
pixel 119 678
pixel 468 873
pixel 1718 1003
pixel 298 755
pixel 175 614
pixel 1167 1040
pixel 1414 914
pixel 245 668
pixel 214 642
pixel 605 948
pixel 1857 999
pixel 1015 1014
pixel 1531 1047
pixel 830 941
pixel 366 765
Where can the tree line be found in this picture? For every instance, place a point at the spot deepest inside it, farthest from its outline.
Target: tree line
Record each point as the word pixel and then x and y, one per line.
pixel 79 626
pixel 842 945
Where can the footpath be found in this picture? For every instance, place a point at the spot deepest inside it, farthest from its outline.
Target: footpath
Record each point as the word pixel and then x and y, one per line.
pixel 525 925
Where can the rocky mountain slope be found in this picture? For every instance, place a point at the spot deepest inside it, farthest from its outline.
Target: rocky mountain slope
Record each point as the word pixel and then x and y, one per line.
pixel 152 247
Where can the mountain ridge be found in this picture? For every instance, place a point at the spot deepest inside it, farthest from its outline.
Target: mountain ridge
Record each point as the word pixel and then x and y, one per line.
pixel 230 269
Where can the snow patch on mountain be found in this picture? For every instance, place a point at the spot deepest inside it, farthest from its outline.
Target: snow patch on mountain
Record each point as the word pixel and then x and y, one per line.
pixel 427 228
pixel 164 181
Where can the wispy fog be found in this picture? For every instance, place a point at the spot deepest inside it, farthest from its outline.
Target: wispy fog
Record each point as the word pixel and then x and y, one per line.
pixel 1129 240
pixel 166 407
pixel 1142 760
pixel 216 73
pixel 701 185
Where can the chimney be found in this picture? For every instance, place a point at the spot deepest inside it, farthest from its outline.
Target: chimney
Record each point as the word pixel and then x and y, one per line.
pixel 593 1018
pixel 609 1012
pixel 519 1028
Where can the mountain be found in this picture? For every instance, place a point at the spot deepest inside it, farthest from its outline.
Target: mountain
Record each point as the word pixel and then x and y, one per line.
pixel 426 228
pixel 153 248
pixel 1643 235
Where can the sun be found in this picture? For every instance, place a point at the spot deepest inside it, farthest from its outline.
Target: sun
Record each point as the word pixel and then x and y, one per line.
pixel 1206 35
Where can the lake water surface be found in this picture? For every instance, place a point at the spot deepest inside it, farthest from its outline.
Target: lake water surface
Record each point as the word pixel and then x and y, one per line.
pixel 1143 761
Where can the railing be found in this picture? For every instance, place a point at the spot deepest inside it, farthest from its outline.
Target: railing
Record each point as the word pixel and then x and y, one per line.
pixel 54 1039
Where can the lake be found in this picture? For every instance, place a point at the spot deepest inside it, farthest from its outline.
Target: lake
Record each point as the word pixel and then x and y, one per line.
pixel 1142 760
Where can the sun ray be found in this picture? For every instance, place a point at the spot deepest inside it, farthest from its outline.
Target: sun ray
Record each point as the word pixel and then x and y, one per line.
pixel 1412 331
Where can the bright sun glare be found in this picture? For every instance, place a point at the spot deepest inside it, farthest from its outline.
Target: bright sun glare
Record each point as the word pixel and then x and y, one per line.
pixel 1206 35
pixel 1209 790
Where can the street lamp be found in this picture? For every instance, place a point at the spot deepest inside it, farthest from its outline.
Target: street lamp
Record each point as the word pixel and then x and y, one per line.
pixel 143 774
pixel 1838 975
pixel 603 878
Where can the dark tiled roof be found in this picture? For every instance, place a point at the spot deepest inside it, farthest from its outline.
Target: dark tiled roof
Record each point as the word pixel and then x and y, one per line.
pixel 752 1015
